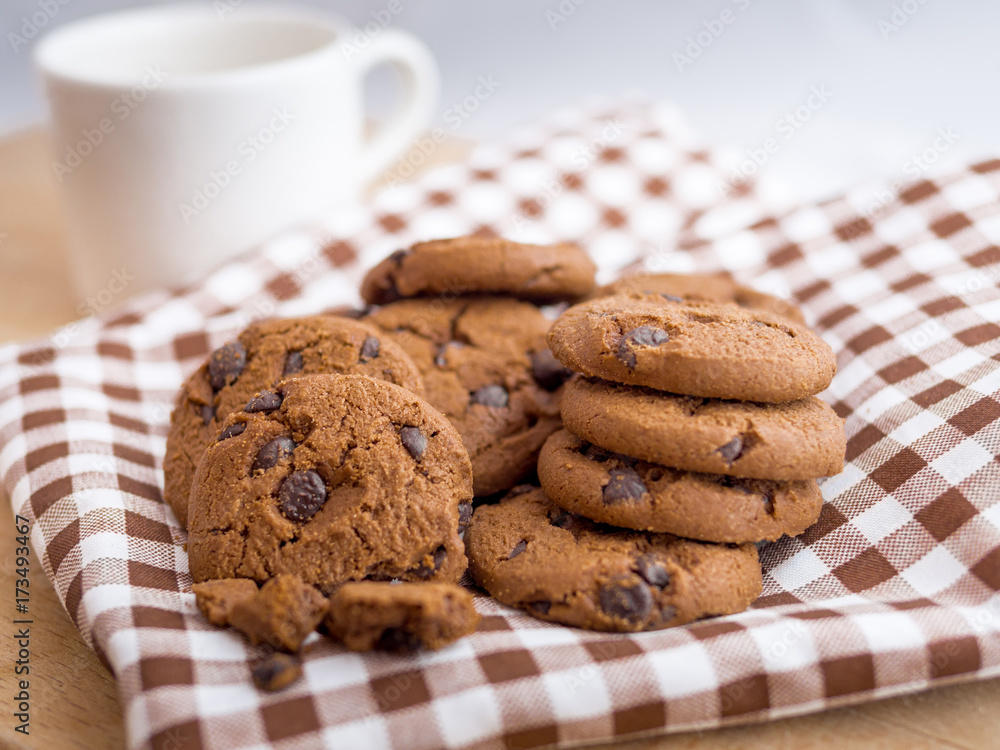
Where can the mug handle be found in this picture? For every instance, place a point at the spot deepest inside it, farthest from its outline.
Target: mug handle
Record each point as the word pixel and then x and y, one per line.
pixel 421 86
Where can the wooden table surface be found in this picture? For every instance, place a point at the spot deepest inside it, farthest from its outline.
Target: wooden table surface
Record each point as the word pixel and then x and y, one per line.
pixel 74 701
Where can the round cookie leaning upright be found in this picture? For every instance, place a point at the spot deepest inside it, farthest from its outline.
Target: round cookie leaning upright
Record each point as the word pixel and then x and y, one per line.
pixel 529 553
pixel 478 265
pixel 332 478
pixel 698 349
pixel 485 365
pixel 263 354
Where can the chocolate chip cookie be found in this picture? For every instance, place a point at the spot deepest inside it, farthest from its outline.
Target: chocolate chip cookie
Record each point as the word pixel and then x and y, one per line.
pixel 263 354
pixel 701 287
pixel 697 349
pixel 530 553
pixel 476 265
pixel 486 365
pixel 624 491
pixel 801 439
pixel 400 617
pixel 331 478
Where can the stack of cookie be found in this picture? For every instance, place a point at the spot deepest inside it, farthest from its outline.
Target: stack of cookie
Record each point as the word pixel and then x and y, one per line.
pixel 697 418
pixel 694 416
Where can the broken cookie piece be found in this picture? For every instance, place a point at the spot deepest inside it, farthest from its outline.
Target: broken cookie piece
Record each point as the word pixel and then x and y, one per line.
pixel 216 598
pixel 401 617
pixel 281 614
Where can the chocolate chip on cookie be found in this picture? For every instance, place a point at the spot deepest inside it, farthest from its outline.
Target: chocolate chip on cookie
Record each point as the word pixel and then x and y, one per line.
pixel 232 431
pixel 370 349
pixel 226 364
pixel 430 565
pixel 293 364
pixel 243 375
pixel 548 371
pixel 626 598
pixel 642 336
pixel 324 489
pixel 653 571
pixel 263 401
pixel 302 493
pixel 602 578
pixel 732 450
pixel 414 441
pixel 464 517
pixel 624 485
pixel 495 396
pixel 272 452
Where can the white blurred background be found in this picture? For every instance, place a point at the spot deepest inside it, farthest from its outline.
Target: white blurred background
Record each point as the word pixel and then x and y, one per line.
pixel 909 85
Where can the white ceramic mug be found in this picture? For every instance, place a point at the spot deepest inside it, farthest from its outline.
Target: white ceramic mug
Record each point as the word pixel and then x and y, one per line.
pixel 184 135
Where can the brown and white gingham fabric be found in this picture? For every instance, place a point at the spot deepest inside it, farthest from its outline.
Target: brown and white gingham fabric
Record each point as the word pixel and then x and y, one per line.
pixel 894 590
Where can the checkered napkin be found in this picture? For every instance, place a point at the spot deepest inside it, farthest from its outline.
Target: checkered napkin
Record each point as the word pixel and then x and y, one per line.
pixel 894 590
